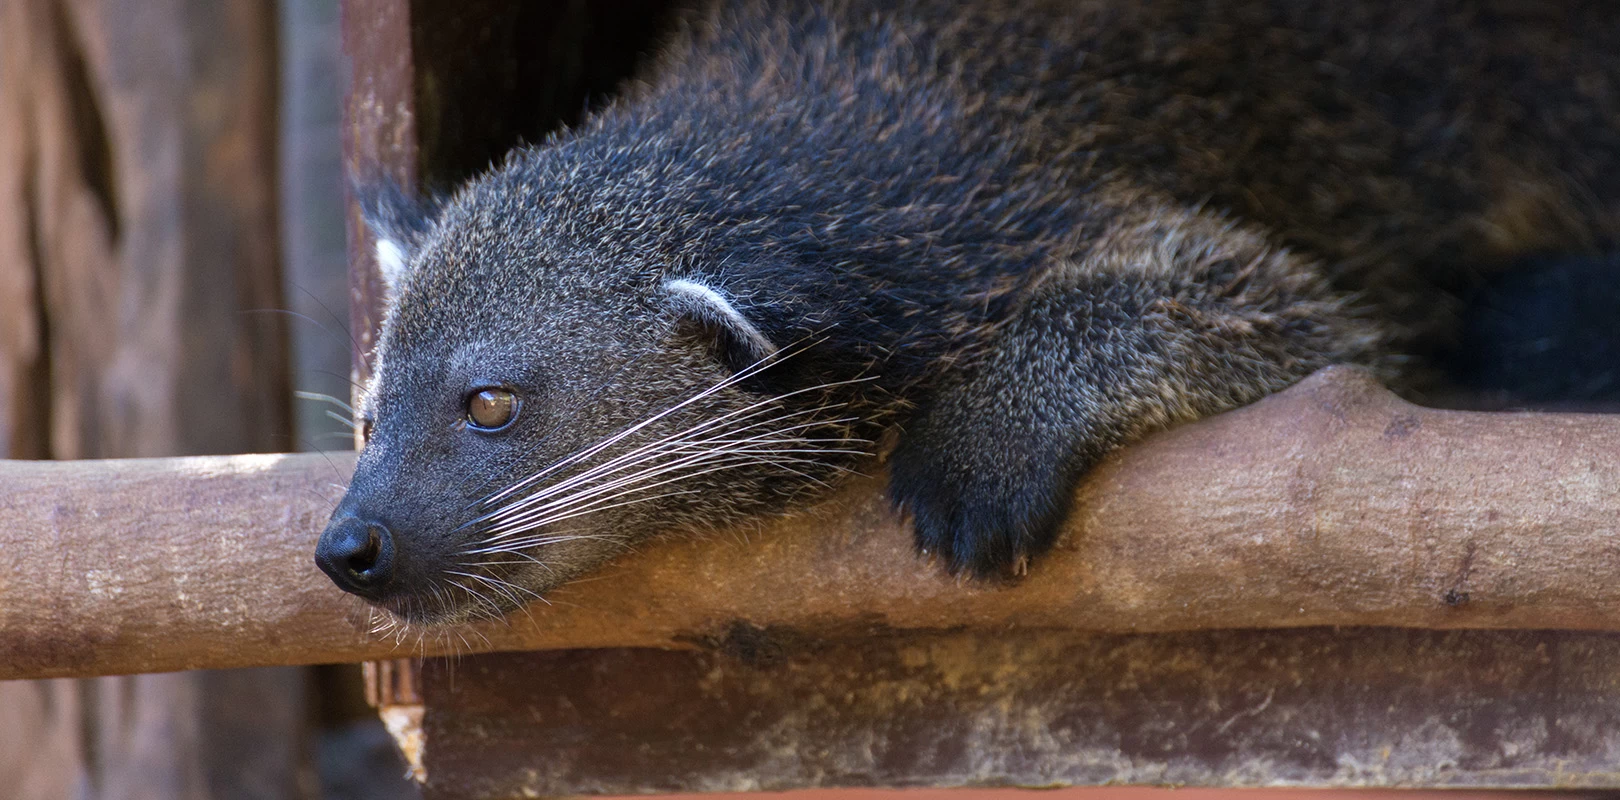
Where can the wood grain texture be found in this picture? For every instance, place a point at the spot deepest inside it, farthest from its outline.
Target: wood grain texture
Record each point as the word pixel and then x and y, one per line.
pixel 24 367
pixel 379 142
pixel 1358 707
pixel 140 138
pixel 1331 504
pixel 148 565
pixel 138 282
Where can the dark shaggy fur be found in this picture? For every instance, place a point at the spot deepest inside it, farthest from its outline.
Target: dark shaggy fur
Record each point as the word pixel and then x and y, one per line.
pixel 1006 236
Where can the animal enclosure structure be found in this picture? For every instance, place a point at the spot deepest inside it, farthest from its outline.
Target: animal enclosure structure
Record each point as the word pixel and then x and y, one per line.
pixel 1329 588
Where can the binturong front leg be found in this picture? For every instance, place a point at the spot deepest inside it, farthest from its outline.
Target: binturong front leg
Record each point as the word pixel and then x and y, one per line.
pixel 1163 321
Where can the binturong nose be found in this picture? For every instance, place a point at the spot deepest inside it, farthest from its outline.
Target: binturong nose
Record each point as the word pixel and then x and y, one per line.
pixel 358 555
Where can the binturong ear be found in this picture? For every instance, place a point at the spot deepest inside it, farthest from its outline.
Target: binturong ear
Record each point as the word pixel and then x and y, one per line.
pixel 709 315
pixel 399 223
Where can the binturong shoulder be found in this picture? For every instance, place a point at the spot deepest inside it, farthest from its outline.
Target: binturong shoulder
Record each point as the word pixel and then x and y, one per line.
pixel 1006 238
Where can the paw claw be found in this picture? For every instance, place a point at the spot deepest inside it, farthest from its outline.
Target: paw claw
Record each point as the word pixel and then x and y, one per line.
pixel 984 539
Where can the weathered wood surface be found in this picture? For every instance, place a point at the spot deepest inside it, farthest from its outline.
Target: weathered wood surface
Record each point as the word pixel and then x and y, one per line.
pixel 138 230
pixel 137 250
pixel 148 565
pixel 1331 504
pixel 379 142
pixel 1313 707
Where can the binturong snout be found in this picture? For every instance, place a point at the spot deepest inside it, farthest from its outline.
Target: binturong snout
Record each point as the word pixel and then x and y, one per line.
pixel 358 555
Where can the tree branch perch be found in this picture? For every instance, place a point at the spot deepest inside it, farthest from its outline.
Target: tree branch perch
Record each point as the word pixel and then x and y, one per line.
pixel 1333 503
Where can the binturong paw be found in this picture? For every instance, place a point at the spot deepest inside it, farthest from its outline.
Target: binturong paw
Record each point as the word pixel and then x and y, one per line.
pixel 984 504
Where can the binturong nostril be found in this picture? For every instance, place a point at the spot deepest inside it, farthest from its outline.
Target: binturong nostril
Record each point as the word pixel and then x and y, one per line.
pixel 358 555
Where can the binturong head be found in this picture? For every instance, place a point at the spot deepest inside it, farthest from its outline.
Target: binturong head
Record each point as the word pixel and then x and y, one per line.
pixel 553 384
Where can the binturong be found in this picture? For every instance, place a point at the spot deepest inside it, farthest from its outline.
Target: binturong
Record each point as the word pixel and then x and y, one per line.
pixel 977 245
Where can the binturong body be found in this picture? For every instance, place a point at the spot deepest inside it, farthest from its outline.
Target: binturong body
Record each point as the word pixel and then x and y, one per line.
pixel 979 243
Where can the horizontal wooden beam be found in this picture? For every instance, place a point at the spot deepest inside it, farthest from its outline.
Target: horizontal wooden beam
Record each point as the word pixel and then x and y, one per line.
pixel 1315 707
pixel 1333 503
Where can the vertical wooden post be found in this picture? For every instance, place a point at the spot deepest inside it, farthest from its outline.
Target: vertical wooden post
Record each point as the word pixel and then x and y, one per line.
pixel 379 142
pixel 137 236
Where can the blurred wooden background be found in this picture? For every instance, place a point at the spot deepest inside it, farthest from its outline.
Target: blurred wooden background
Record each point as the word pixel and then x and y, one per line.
pixel 169 188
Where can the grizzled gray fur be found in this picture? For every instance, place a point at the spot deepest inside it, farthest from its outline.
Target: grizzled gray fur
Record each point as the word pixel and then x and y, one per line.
pixel 999 238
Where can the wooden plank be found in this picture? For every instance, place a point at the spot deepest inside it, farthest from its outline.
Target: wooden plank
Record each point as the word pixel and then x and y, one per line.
pixel 24 364
pixel 154 225
pixel 379 141
pixel 1331 504
pixel 137 238
pixel 1313 707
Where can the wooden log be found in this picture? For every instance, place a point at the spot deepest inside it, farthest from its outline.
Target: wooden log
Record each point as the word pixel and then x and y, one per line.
pixel 1315 707
pixel 1334 503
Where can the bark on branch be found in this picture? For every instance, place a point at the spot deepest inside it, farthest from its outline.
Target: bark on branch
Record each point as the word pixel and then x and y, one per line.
pixel 1334 503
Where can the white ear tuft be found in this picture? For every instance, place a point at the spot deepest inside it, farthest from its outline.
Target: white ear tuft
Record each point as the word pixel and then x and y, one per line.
pixel 391 263
pixel 401 224
pixel 708 306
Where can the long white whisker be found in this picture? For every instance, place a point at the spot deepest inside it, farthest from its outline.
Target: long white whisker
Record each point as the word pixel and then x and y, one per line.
pixel 325 398
pixel 730 458
pixel 350 423
pixel 647 453
pixel 478 597
pixel 735 378
pixel 594 449
pixel 505 543
pixel 624 461
pixel 506 589
pixel 542 539
pixel 592 507
pixel 637 456
pixel 596 490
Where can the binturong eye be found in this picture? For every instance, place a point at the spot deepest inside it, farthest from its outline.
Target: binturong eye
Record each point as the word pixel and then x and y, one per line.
pixel 491 409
